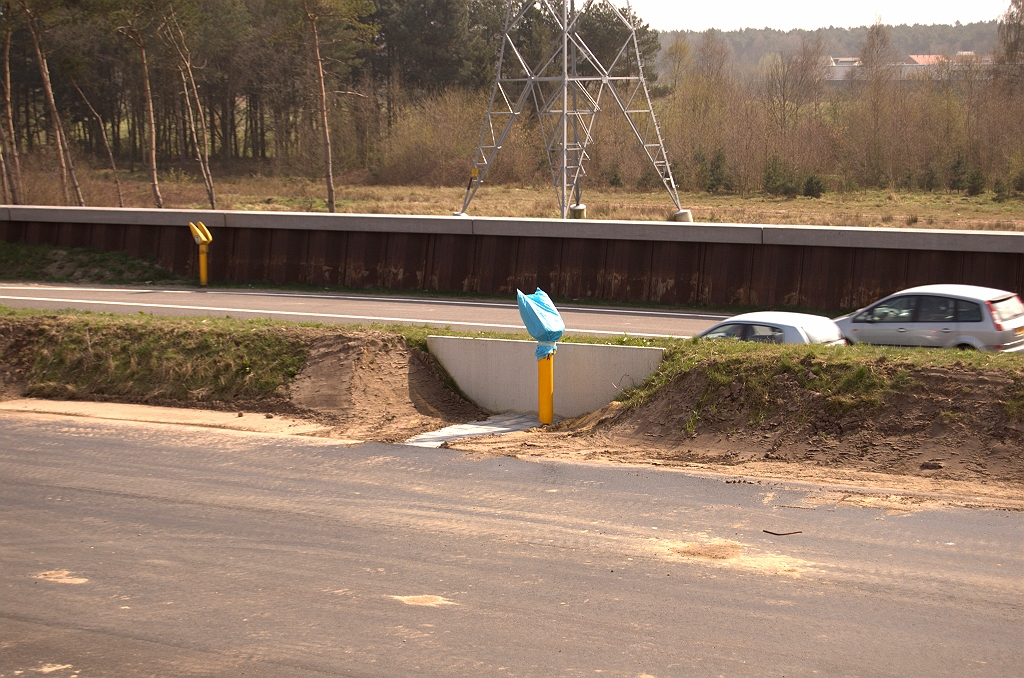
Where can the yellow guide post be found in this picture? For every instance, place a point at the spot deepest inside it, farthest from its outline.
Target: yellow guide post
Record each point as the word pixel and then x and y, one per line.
pixel 546 389
pixel 201 234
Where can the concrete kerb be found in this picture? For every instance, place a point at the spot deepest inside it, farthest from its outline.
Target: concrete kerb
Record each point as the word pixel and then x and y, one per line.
pixel 500 375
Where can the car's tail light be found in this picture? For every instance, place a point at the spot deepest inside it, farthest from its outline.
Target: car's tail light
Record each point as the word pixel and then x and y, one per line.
pixel 995 318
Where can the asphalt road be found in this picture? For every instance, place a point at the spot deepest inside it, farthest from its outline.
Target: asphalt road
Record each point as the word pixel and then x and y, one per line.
pixel 174 551
pixel 494 316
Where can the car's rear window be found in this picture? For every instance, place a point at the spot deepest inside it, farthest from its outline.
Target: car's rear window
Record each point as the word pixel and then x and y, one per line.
pixel 766 334
pixel 1008 308
pixel 968 311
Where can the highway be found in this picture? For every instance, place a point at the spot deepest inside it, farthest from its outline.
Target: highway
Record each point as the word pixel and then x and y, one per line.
pixel 462 314
pixel 134 550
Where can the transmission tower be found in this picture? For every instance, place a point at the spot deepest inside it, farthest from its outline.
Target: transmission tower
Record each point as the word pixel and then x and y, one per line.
pixel 566 83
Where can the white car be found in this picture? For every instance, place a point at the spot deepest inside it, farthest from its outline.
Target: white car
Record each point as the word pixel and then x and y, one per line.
pixel 941 316
pixel 777 327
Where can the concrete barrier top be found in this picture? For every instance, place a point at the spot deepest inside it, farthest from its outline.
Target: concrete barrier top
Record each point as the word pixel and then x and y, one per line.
pixel 657 231
pixel 109 215
pixel 660 231
pixel 895 238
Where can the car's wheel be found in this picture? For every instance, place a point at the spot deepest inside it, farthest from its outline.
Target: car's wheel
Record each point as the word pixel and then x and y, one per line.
pixel 966 347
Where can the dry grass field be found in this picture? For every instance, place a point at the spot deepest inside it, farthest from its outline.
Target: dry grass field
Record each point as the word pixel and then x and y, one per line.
pixel 253 192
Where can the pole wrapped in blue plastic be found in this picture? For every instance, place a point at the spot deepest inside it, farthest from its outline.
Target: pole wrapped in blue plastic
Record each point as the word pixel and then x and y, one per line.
pixel 542 321
pixel 545 325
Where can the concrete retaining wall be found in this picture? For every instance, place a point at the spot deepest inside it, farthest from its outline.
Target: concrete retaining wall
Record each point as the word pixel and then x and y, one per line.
pixel 824 268
pixel 501 375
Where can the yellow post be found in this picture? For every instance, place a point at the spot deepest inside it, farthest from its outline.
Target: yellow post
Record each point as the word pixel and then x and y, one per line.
pixel 204 249
pixel 546 389
pixel 201 234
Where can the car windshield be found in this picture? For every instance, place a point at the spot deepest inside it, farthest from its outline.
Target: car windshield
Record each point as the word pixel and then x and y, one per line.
pixel 730 331
pixel 1009 308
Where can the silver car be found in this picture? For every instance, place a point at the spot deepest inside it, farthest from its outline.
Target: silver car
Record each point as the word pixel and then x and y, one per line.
pixel 941 316
pixel 777 327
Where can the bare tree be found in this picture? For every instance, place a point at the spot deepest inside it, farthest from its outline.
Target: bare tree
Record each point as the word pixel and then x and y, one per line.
pixel 676 57
pixel 63 153
pixel 314 11
pixel 1011 42
pixel 106 143
pixel 176 36
pixel 137 21
pixel 778 87
pixel 813 68
pixel 877 74
pixel 12 163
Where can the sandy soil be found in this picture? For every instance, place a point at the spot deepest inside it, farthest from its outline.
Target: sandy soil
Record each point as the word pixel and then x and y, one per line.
pixel 373 386
pixel 951 433
pixel 361 386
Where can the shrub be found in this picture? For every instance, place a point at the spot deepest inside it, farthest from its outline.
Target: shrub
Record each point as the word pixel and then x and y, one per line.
pixel 648 180
pixel 778 179
pixel 814 186
pixel 976 181
pixel 1018 181
pixel 712 174
pixel 957 174
pixel 718 173
pixel 1001 190
pixel 928 179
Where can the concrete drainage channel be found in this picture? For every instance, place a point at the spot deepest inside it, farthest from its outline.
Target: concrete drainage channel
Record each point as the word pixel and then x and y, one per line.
pixel 500 376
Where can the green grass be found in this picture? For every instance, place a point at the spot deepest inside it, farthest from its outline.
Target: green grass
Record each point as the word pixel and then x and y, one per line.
pixel 847 377
pixel 143 357
pixel 46 263
pixel 78 354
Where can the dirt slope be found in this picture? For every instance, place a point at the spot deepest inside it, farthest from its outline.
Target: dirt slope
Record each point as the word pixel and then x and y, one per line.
pixel 947 424
pixel 362 385
pixel 373 386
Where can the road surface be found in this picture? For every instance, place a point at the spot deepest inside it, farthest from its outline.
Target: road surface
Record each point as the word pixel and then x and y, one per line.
pixel 137 549
pixel 472 315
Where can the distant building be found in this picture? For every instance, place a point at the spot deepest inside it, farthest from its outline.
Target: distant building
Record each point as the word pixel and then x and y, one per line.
pixel 844 68
pixel 924 59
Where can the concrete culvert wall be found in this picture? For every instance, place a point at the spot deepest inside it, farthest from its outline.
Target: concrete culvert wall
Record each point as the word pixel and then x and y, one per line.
pixel 501 375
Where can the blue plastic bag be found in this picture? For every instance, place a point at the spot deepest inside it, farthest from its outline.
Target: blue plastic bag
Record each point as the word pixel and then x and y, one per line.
pixel 542 321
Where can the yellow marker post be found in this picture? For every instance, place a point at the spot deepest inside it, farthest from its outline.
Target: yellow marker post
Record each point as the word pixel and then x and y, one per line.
pixel 546 389
pixel 201 234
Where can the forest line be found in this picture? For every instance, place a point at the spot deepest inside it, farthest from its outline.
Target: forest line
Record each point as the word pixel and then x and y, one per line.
pixel 393 92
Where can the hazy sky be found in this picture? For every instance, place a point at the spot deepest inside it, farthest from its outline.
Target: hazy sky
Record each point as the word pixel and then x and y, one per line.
pixel 728 15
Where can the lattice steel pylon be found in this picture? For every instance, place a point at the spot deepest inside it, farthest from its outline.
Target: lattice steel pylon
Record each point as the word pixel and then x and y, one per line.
pixel 566 86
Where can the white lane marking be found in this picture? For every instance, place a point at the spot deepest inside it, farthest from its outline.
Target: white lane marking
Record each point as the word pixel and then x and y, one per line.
pixel 408 300
pixel 223 309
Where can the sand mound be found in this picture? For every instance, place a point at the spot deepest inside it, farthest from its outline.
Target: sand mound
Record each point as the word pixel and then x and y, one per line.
pixel 947 424
pixel 373 386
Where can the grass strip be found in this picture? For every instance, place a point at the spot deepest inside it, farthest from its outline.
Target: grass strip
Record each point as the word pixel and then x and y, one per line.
pixel 847 377
pixel 79 354
pixel 46 263
pixel 149 358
